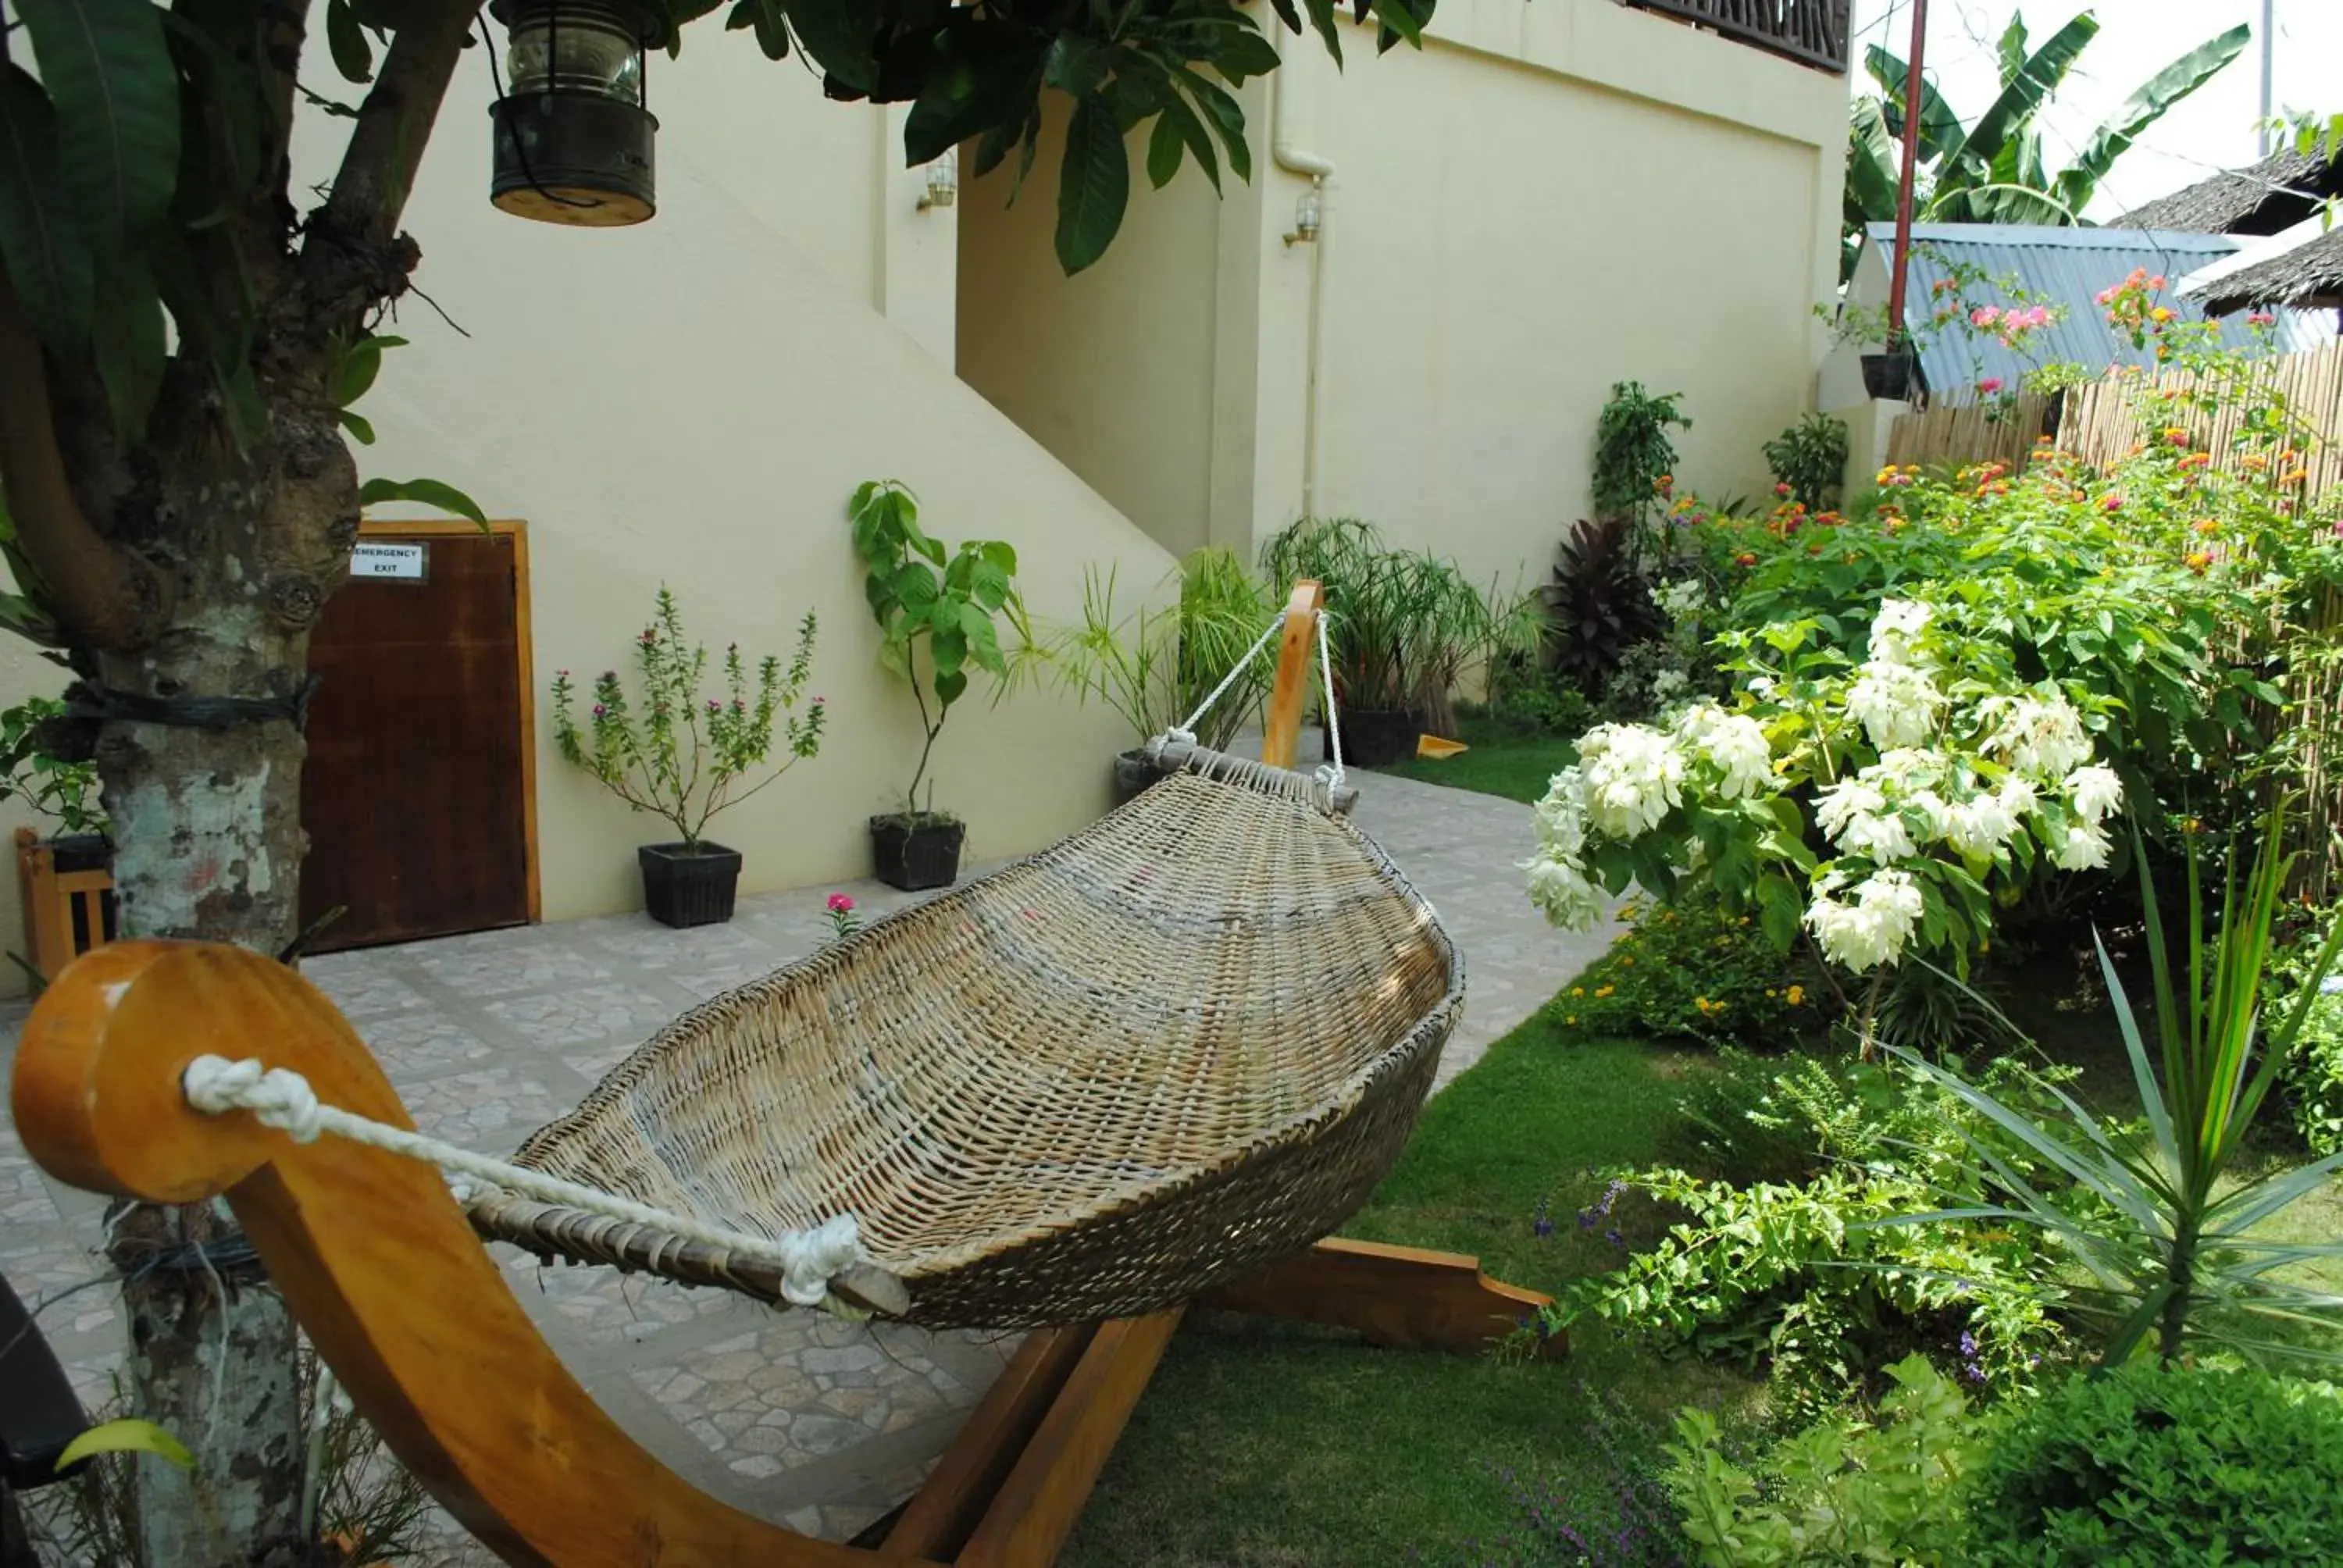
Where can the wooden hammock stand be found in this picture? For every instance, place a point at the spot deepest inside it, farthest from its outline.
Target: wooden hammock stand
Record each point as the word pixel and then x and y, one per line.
pixel 386 1275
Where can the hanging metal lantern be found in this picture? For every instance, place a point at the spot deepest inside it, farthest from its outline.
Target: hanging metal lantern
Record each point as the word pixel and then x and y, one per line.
pixel 573 139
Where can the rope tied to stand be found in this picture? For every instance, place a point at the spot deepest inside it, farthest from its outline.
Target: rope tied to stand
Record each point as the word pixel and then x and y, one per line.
pixel 1328 774
pixel 279 1098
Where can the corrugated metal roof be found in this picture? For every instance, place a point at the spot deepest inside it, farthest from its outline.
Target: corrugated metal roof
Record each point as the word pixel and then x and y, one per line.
pixel 2065 268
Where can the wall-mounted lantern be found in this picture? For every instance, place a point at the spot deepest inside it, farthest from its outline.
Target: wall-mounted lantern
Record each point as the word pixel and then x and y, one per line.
pixel 943 182
pixel 573 140
pixel 1306 218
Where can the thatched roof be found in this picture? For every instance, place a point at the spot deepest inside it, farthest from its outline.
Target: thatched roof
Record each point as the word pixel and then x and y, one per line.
pixel 2270 197
pixel 2309 276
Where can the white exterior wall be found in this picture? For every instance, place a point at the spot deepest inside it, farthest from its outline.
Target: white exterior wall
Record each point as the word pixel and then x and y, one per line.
pixel 691 402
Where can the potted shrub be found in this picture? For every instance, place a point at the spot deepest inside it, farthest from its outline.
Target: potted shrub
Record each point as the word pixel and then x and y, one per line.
pixel 1155 667
pixel 1402 628
pixel 935 610
pixel 686 758
pixel 65 877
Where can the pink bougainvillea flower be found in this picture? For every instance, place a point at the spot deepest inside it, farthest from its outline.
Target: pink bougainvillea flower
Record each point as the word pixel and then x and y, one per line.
pixel 1984 316
pixel 2260 318
pixel 2111 503
pixel 1989 385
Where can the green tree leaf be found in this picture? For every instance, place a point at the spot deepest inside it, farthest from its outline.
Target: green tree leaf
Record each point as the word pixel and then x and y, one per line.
pixel 109 74
pixel 126 1436
pixel 1093 185
pixel 1163 147
pixel 985 81
pixel 1190 130
pixel 436 493
pixel 837 34
pixel 2078 182
pixel 126 336
pixel 353 55
pixel 41 241
pixel 360 427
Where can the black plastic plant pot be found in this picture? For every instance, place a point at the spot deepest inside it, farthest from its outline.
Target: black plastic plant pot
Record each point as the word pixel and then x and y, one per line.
pixel 1377 736
pixel 1133 774
pixel 70 852
pixel 915 853
pixel 1892 378
pixel 689 884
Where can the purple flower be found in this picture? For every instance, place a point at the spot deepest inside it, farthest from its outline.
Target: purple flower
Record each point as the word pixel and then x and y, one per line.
pixel 1541 1223
pixel 600 711
pixel 1969 1345
pixel 1614 1237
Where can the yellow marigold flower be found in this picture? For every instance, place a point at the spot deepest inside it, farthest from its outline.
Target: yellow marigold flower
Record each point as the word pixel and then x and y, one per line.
pixel 1796 996
pixel 1578 990
pixel 1603 990
pixel 2294 476
pixel 2161 313
pixel 1572 1018
pixel 2197 561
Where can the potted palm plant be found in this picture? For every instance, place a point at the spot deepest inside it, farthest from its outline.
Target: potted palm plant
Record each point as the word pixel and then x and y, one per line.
pixel 1155 667
pixel 686 758
pixel 935 610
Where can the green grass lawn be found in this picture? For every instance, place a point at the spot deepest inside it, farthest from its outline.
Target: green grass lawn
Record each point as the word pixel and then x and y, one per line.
pixel 1267 1445
pixel 1499 761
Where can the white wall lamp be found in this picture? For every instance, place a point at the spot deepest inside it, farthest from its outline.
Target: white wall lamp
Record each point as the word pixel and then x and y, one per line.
pixel 943 182
pixel 1305 217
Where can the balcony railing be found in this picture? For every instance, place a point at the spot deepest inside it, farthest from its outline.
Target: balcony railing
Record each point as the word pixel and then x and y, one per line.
pixel 1811 32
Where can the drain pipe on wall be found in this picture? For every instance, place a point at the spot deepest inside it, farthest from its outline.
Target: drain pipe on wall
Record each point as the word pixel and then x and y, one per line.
pixel 1308 225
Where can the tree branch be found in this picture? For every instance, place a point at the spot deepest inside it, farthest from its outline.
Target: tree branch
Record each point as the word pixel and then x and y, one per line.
pixel 352 258
pixel 101 595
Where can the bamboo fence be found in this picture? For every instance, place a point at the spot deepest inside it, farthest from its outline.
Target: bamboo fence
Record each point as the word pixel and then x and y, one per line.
pixel 2100 422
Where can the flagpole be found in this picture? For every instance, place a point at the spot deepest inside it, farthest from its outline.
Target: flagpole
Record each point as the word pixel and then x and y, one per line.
pixel 1904 180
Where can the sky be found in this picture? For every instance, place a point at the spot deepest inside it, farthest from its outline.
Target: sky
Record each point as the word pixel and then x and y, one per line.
pixel 2214 127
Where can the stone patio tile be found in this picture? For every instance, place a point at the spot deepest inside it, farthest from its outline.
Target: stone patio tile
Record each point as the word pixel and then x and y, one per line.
pixel 490 1110
pixel 581 1015
pixel 526 961
pixel 422 1039
pixel 361 984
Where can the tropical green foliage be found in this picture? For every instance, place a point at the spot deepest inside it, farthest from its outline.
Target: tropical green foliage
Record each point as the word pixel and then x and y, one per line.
pixel 2146 1466
pixel 46 783
pixel 927 598
pixel 1886 1489
pixel 1809 461
pixel 1402 626
pixel 1992 168
pixel 1633 456
pixel 2168 1224
pixel 1694 971
pixel 1599 604
pixel 1154 667
pixel 677 753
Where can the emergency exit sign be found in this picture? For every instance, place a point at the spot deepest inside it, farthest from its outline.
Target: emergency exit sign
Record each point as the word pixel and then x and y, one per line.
pixel 392 563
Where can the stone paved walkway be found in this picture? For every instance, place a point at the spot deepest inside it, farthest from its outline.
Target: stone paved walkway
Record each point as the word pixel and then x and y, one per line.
pixel 793 1416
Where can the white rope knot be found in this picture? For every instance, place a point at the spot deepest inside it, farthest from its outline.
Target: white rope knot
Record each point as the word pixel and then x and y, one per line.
pixel 276 1098
pixel 279 1098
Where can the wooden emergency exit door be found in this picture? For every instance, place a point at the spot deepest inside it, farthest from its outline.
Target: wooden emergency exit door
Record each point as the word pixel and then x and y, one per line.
pixel 419 794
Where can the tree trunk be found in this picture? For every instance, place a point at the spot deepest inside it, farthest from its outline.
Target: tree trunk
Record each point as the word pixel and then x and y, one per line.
pixel 208 844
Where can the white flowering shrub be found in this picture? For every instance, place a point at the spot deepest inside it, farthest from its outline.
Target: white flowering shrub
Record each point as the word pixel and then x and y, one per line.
pixel 1879 806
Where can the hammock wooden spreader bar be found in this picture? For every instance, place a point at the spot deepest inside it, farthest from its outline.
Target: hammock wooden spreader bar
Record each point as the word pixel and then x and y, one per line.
pixel 384 1271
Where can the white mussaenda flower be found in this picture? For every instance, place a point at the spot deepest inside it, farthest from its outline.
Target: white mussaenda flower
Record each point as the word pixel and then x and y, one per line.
pixel 1688 596
pixel 1895 703
pixel 1895 631
pixel 2018 797
pixel 1983 824
pixel 2086 848
pixel 1561 815
pixel 2097 792
pixel 1842 802
pixel 1870 928
pixel 1563 892
pixel 1883 837
pixel 1633 776
pixel 1735 744
pixel 2038 736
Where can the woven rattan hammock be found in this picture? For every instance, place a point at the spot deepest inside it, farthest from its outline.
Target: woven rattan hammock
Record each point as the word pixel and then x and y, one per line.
pixel 1182 1043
